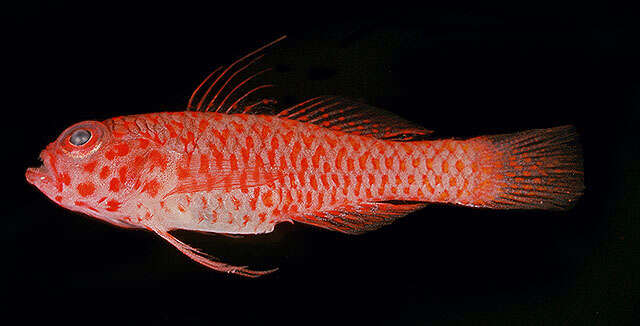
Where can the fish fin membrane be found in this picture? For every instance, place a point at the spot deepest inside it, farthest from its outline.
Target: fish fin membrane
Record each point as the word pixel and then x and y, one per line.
pixel 239 88
pixel 207 260
pixel 341 114
pixel 535 169
pixel 360 218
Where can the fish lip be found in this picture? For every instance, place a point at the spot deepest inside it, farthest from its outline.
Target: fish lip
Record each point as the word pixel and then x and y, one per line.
pixel 39 175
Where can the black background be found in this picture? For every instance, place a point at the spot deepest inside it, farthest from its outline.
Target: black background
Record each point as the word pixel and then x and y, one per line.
pixel 462 72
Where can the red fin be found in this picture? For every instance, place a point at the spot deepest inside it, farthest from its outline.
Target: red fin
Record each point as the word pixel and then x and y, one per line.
pixel 341 114
pixel 228 88
pixel 206 259
pixel 236 88
pixel 535 169
pixel 360 218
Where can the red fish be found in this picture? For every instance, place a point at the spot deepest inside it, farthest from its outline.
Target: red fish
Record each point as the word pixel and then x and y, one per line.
pixel 233 166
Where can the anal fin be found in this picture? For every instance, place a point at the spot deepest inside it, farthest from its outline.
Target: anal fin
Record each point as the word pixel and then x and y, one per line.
pixel 361 217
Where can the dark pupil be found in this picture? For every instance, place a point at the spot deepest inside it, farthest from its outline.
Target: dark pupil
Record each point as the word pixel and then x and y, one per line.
pixel 80 137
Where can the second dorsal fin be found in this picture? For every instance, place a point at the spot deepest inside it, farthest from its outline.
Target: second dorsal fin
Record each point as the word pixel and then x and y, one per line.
pixel 345 115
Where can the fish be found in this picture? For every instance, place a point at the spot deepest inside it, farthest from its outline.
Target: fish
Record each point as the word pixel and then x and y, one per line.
pixel 238 163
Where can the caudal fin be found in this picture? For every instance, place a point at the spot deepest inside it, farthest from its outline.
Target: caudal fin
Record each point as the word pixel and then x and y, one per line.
pixel 534 169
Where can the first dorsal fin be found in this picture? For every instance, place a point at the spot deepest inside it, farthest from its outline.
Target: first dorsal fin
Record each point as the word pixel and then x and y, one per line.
pixel 229 89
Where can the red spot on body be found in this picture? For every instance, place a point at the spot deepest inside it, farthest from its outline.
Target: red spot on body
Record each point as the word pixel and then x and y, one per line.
pixel 86 189
pixel 410 179
pixel 239 128
pixel 157 160
pixel 267 199
pixel 233 162
pixel 110 155
pixel 113 205
pixel 143 143
pixel 321 199
pixel 114 185
pixel 58 198
pixel 388 162
pixel 121 149
pixel 403 166
pixel 339 157
pixel 122 173
pixel 236 202
pixel 325 182
pixel 347 182
pixel 254 199
pixel 363 159
pixel 415 162
pixel 183 173
pixel 66 179
pixel 313 182
pixel 204 164
pixel 445 167
pixel 294 153
pixel 172 132
pixel 89 167
pixel 315 159
pixel 444 196
pixel 202 126
pixel 327 167
pixel 104 172
pixel 354 143
pixel 152 187
pixel 307 140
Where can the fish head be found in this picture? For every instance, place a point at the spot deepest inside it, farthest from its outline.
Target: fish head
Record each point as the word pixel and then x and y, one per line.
pixel 77 174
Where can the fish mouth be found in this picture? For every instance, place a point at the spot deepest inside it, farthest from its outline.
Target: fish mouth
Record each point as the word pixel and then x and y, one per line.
pixel 39 175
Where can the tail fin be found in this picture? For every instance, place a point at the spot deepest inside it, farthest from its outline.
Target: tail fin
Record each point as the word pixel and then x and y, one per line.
pixel 534 169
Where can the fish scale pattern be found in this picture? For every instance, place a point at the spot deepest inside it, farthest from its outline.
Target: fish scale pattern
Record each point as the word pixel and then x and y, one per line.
pixel 244 173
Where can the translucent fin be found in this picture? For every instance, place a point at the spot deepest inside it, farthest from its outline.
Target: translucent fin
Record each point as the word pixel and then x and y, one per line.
pixel 535 169
pixel 229 89
pixel 341 114
pixel 207 260
pixel 360 218
pixel 238 89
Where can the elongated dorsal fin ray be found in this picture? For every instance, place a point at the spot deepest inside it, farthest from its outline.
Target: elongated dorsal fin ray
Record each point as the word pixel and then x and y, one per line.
pixel 238 89
pixel 229 88
pixel 206 259
pixel 361 217
pixel 345 115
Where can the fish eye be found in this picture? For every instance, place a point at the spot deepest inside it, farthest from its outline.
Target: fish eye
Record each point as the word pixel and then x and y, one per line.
pixel 80 137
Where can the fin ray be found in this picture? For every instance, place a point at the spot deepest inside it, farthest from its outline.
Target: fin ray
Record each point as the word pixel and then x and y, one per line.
pixel 359 218
pixel 206 259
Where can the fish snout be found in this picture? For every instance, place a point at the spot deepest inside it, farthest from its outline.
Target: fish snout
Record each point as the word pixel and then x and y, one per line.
pixel 38 176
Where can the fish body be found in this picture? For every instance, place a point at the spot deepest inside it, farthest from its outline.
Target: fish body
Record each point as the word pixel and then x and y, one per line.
pixel 328 162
